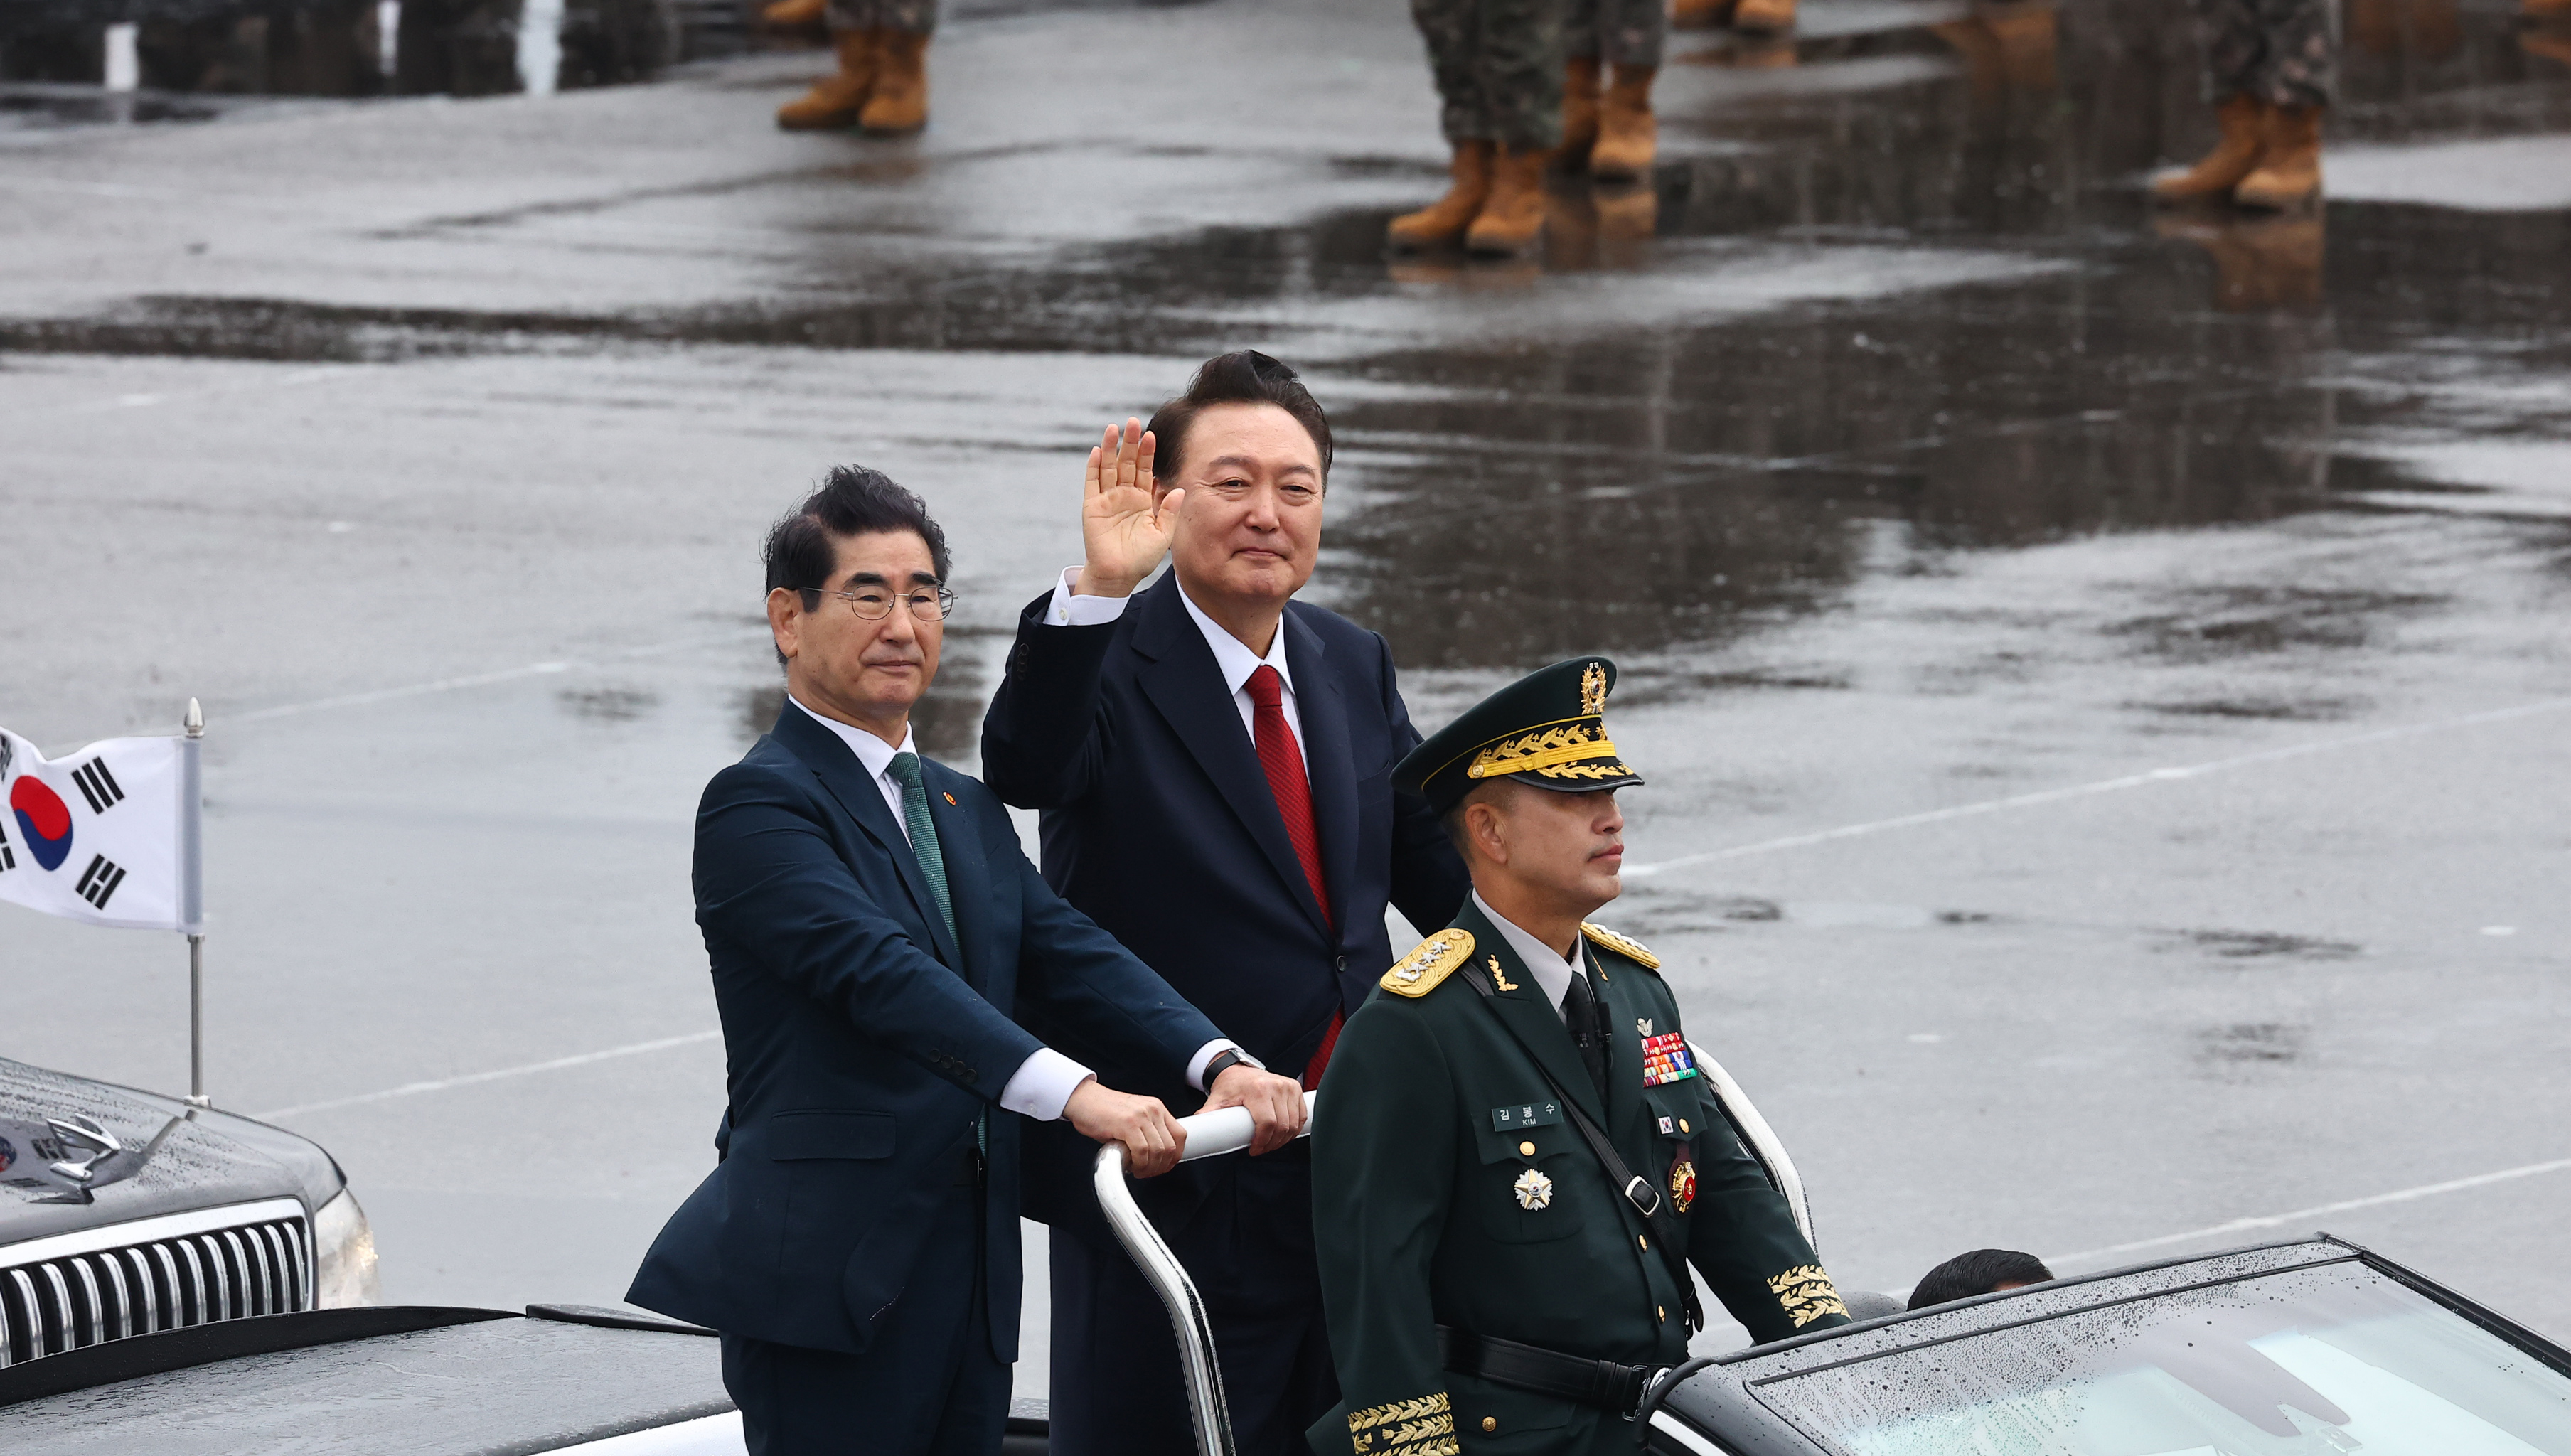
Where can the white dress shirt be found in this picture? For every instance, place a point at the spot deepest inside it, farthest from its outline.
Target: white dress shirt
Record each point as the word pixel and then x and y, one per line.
pixel 1552 973
pixel 1234 658
pixel 1046 1080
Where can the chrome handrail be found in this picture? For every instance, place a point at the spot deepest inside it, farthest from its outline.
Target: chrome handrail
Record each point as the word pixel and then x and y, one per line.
pixel 1209 1134
pixel 1760 1139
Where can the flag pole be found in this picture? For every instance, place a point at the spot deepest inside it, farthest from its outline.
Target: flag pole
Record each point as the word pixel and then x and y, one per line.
pixel 192 901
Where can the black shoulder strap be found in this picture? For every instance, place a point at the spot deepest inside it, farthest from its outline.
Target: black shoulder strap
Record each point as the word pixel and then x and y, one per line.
pixel 1642 1193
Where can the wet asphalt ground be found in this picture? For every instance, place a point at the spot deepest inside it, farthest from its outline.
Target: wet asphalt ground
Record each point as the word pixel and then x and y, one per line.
pixel 2102 677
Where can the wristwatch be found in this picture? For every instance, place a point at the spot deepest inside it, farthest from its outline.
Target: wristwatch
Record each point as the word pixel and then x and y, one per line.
pixel 1224 1060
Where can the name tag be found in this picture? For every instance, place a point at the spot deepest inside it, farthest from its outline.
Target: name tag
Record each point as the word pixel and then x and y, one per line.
pixel 1525 1115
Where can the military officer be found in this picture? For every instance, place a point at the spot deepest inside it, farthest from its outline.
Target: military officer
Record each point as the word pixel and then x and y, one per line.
pixel 1514 1155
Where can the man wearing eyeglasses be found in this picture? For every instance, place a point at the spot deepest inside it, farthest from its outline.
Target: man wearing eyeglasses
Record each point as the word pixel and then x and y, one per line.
pixel 1212 760
pixel 874 933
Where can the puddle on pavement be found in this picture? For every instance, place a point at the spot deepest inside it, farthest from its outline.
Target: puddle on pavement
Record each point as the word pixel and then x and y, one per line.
pixel 1739 462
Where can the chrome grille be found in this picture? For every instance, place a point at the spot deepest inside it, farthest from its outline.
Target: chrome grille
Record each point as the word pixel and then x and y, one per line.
pixel 150 1275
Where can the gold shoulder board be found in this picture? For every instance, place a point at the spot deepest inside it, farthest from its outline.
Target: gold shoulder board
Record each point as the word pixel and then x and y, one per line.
pixel 1631 950
pixel 1418 973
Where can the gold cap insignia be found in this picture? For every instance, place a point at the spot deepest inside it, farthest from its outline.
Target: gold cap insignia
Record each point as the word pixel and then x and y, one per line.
pixel 1593 690
pixel 1807 1293
pixel 1436 958
pixel 1533 1189
pixel 1629 949
pixel 1576 750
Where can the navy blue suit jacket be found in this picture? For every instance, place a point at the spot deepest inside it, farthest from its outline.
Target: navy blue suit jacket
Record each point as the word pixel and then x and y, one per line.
pixel 863 1041
pixel 1158 824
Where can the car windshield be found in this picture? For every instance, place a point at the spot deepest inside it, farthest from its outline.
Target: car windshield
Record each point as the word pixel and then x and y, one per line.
pixel 2330 1358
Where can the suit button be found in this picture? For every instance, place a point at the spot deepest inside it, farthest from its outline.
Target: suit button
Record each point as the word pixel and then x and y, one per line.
pixel 1683 1127
pixel 1663 1312
pixel 1490 1423
pixel 1343 963
pixel 1639 1239
pixel 1526 1150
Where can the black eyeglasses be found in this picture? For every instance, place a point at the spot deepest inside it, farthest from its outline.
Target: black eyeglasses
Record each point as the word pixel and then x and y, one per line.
pixel 875 603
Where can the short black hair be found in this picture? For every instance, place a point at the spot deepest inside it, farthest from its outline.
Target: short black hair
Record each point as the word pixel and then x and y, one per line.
pixel 1977 1273
pixel 803 547
pixel 1244 376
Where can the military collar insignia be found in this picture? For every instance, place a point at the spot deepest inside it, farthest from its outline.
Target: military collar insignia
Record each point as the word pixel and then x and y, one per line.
pixel 1631 950
pixel 1436 958
pixel 1533 1189
pixel 1642 1026
pixel 1499 978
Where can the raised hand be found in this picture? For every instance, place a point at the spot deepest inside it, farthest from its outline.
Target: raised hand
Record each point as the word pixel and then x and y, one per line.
pixel 1125 523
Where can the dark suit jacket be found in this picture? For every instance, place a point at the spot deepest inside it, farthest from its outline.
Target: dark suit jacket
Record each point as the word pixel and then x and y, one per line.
pixel 1158 824
pixel 858 1060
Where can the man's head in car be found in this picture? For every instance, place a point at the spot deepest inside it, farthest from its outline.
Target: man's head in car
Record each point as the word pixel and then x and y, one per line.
pixel 1983 1272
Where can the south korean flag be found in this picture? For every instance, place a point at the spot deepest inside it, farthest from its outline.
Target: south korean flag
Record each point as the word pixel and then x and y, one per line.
pixel 108 835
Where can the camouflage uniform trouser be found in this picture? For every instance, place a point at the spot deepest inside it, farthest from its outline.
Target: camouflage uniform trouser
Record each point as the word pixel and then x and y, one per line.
pixel 919 16
pixel 1619 32
pixel 2281 52
pixel 1498 65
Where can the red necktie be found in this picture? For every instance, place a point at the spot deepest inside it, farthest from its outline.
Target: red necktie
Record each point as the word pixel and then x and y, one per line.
pixel 1283 761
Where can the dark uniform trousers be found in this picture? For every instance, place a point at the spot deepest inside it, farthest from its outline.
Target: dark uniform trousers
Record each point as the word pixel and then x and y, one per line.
pixel 1450 1188
pixel 1499 67
pixel 2281 52
pixel 929 1385
pixel 919 17
pixel 1619 32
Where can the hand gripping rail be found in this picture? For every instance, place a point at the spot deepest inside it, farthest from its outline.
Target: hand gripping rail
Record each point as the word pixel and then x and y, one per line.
pixel 1209 1134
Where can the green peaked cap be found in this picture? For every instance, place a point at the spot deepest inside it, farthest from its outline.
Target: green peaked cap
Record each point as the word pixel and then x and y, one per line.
pixel 1548 729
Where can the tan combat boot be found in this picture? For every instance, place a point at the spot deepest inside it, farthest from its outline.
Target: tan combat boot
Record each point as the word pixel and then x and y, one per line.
pixel 1764 17
pixel 834 100
pixel 1512 217
pixel 900 99
pixel 2289 160
pixel 793 14
pixel 1626 133
pixel 2234 157
pixel 1579 111
pixel 1444 220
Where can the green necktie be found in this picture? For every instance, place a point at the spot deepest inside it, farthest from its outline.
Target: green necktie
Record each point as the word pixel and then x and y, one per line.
pixel 932 867
pixel 923 837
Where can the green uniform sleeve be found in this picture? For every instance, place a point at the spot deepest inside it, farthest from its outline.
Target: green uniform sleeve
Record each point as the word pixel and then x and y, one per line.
pixel 1384 1159
pixel 1742 1237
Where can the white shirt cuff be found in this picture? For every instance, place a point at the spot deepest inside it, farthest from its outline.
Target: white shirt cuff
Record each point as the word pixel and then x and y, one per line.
pixel 1042 1083
pixel 1210 1051
pixel 1066 610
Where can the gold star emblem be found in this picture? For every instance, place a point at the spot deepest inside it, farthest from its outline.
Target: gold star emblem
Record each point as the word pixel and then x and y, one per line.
pixel 1533 1188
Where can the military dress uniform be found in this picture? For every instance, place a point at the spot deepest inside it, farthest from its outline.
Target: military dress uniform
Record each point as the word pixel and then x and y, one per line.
pixel 1460 1210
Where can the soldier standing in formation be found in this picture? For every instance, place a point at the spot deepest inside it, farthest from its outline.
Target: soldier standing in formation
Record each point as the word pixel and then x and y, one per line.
pixel 1514 1158
pixel 881 85
pixel 1607 115
pixel 2271 67
pixel 1499 67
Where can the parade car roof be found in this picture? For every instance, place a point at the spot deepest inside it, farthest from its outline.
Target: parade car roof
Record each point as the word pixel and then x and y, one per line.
pixel 430 1380
pixel 2314 1346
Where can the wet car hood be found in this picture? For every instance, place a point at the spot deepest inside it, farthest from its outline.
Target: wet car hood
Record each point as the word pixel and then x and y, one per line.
pixel 174 1158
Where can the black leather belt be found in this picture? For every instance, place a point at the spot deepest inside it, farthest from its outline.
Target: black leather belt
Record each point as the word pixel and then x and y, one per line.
pixel 1603 1385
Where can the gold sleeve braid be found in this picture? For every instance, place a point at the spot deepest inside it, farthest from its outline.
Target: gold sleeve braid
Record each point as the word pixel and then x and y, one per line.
pixel 1425 1426
pixel 1807 1293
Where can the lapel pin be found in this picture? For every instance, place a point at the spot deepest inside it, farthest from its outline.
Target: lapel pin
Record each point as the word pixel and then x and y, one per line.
pixel 950 799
